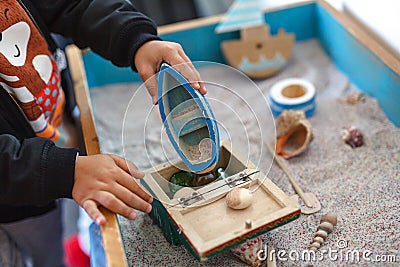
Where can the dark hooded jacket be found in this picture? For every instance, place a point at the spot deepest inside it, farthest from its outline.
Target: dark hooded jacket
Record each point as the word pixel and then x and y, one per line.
pixel 33 171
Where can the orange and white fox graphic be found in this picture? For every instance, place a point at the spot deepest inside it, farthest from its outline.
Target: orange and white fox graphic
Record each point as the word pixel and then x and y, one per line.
pixel 28 70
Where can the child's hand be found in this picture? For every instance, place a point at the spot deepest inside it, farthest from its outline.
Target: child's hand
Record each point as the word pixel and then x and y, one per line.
pixel 106 180
pixel 148 60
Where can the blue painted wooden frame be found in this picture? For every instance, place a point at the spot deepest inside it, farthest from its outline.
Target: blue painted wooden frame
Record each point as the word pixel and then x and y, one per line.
pixel 202 44
pixel 363 67
pixel 206 110
pixel 311 20
pixel 97 254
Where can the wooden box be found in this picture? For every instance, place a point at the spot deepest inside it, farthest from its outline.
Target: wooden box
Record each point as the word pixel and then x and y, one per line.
pixel 368 65
pixel 203 222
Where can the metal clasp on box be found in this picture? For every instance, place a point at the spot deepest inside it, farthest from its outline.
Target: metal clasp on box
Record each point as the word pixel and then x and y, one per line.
pixel 190 199
pixel 237 179
pixel 216 189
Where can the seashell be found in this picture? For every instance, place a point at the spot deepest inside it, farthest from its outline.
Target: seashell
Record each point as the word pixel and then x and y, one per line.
pixel 328 221
pixel 293 133
pixel 287 119
pixel 239 198
pixel 329 217
pixel 353 98
pixel 352 136
pixel 321 234
pixel 316 245
pixel 319 239
pixel 326 226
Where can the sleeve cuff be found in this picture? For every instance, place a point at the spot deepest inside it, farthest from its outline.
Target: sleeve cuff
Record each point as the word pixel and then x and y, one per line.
pixel 58 173
pixel 132 37
pixel 144 38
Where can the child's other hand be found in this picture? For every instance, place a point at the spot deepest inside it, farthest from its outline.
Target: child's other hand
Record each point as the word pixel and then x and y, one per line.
pixel 106 180
pixel 148 60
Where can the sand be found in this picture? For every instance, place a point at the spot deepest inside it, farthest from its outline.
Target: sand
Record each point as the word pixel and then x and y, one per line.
pixel 361 185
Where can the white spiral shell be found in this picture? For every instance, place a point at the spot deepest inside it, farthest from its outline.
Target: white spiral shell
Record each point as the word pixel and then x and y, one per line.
pixel 328 222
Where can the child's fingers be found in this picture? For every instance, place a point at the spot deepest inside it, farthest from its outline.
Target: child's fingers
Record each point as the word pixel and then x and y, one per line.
pixel 132 200
pixel 120 200
pixel 149 57
pixel 93 211
pixel 124 178
pixel 147 72
pixel 127 166
pixel 133 186
pixel 184 68
pixel 111 202
pixel 151 85
pixel 189 63
pixel 175 56
pixel 201 88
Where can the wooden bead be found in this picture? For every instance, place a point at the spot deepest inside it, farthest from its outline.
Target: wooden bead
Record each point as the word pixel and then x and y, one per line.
pixel 239 198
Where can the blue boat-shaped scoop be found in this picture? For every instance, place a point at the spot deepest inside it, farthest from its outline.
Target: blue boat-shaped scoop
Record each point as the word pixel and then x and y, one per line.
pixel 188 120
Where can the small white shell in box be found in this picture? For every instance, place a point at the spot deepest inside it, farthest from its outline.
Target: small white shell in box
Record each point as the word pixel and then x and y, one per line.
pixel 239 198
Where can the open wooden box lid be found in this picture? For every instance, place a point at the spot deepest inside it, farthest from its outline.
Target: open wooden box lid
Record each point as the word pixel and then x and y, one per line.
pixel 209 226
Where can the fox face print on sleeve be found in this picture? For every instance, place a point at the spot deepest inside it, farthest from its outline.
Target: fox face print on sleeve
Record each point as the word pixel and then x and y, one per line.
pixel 28 70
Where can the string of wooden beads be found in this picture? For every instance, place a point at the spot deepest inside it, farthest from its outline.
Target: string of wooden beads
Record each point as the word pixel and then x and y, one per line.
pixel 328 222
